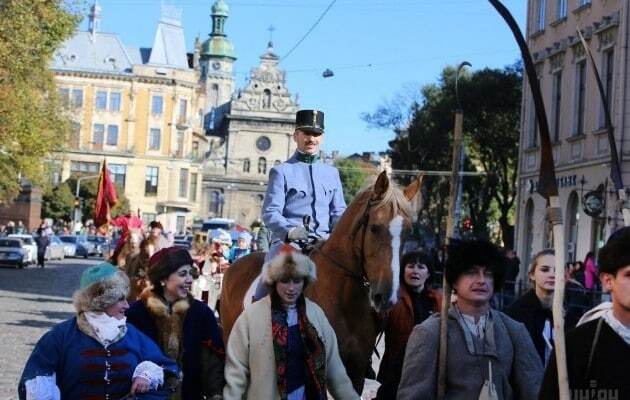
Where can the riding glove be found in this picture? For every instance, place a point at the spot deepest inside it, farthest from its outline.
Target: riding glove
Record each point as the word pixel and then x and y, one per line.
pixel 297 233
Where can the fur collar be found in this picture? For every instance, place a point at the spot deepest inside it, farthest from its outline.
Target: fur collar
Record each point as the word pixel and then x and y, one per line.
pixel 158 306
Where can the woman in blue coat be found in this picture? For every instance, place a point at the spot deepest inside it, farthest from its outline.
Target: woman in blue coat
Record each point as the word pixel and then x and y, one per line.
pixel 96 354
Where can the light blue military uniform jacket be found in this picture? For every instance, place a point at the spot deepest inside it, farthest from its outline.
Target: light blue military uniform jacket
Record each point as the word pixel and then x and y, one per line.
pixel 297 189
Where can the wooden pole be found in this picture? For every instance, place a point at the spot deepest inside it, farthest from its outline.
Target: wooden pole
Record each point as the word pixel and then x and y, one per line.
pixel 450 231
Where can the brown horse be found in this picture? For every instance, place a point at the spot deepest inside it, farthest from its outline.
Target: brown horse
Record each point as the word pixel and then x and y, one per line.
pixel 357 271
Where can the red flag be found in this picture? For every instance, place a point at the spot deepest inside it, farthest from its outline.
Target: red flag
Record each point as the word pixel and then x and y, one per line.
pixel 106 197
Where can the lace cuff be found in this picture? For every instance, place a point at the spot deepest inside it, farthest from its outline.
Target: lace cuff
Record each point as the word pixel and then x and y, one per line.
pixel 151 372
pixel 42 388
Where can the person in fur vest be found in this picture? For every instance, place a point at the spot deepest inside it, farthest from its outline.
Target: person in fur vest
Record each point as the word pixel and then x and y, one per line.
pixel 282 346
pixel 96 354
pixel 184 328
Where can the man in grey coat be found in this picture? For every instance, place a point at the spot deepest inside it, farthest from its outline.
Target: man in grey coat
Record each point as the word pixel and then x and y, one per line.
pixel 490 355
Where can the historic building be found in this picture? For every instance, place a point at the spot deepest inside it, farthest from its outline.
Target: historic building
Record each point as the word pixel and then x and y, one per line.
pixel 141 109
pixel 250 130
pixel 580 144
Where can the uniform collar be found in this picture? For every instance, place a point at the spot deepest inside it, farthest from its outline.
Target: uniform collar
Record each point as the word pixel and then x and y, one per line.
pixel 306 158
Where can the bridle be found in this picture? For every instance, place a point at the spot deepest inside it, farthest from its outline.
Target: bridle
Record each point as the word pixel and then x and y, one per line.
pixel 362 225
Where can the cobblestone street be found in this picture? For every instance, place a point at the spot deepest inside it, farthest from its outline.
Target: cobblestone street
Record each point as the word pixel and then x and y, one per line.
pixel 32 300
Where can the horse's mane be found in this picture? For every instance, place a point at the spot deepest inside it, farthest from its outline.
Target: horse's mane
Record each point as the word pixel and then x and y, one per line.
pixel 393 197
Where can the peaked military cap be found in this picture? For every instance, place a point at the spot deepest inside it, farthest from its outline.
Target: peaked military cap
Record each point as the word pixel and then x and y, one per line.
pixel 311 121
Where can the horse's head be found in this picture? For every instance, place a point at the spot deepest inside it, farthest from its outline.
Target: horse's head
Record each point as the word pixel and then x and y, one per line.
pixel 134 239
pixel 382 222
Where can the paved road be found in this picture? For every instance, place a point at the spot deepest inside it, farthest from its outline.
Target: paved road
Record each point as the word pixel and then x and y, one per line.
pixel 32 300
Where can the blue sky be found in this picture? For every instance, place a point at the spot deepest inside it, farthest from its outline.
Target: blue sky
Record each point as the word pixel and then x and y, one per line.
pixel 374 48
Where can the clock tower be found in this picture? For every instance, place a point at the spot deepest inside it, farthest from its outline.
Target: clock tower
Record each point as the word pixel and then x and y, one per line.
pixel 216 62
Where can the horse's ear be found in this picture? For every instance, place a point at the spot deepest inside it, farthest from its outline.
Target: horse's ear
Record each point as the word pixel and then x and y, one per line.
pixel 412 189
pixel 381 185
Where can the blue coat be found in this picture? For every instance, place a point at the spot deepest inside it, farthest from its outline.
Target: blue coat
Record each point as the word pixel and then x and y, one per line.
pixel 81 363
pixel 296 189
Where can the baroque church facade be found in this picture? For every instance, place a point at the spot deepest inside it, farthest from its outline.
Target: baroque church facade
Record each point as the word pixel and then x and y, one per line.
pixel 249 130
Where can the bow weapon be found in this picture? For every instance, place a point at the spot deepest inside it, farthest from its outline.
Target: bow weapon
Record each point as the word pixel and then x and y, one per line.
pixel 547 187
pixel 615 169
pixel 451 222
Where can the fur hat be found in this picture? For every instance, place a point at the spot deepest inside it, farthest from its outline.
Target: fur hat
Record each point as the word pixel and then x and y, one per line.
pixel 465 254
pixel 165 262
pixel 292 264
pixel 615 254
pixel 101 286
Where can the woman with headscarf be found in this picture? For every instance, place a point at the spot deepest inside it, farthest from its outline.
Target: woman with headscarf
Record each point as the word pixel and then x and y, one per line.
pixel 282 346
pixel 417 302
pixel 184 328
pixel 96 354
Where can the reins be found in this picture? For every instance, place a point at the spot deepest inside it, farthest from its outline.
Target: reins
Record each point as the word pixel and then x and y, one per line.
pixel 363 223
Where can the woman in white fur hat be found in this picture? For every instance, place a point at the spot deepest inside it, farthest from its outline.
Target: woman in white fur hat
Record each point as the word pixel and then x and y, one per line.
pixel 283 347
pixel 96 354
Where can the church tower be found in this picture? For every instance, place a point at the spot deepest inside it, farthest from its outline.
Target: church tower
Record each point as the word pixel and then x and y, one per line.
pixel 216 64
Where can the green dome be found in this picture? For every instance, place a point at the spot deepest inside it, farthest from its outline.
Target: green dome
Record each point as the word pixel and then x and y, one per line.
pixel 218 46
pixel 220 8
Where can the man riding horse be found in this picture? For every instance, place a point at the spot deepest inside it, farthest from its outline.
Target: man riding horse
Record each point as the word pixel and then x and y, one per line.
pixel 302 186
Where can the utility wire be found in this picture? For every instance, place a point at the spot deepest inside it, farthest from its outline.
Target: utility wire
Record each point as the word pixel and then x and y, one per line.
pixel 309 31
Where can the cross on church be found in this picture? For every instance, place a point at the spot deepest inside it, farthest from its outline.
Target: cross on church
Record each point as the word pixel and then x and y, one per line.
pixel 271 29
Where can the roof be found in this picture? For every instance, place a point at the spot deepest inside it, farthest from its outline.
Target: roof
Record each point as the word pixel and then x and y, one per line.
pixel 100 52
pixel 169 45
pixel 218 46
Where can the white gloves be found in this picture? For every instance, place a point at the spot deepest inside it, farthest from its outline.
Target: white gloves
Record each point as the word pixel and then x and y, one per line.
pixel 151 372
pixel 297 233
pixel 42 388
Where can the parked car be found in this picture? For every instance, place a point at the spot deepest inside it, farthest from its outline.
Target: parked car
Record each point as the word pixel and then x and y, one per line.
pixel 12 253
pixel 28 244
pixel 100 245
pixel 184 241
pixel 55 249
pixel 76 246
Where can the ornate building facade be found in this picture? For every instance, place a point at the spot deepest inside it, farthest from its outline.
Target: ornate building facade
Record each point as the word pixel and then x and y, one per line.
pixel 580 145
pixel 142 110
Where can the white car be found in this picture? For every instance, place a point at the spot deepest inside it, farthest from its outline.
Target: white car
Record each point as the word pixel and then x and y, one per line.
pixel 55 249
pixel 29 245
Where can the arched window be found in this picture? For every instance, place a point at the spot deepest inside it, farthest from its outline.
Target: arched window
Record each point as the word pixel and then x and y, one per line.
pixel 573 218
pixel 548 234
pixel 215 205
pixel 266 103
pixel 262 165
pixel 214 95
pixel 246 164
pixel 528 242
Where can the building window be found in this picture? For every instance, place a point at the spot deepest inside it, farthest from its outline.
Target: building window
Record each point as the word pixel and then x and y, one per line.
pixel 215 205
pixel 580 96
pixel 114 101
pixel 98 136
pixel 529 232
pixel 533 128
pixel 112 135
pixel 583 2
pixel 266 103
pixel 154 139
pixel 214 95
pixel 556 105
pixel 77 98
pixel 609 64
pixel 82 167
pixel 101 100
pixel 64 97
pixel 195 150
pixel 151 181
pixel 157 105
pixel 193 186
pixel 183 109
pixel 118 173
pixel 246 165
pixel 180 224
pixel 262 165
pixel 540 15
pixel 183 182
pixel 561 9
pixel 147 218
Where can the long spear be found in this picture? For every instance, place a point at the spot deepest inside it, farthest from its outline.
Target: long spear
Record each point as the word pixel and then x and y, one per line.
pixel 615 168
pixel 451 222
pixel 548 189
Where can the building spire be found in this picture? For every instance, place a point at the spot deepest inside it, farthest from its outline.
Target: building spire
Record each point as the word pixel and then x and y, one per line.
pixel 94 23
pixel 220 11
